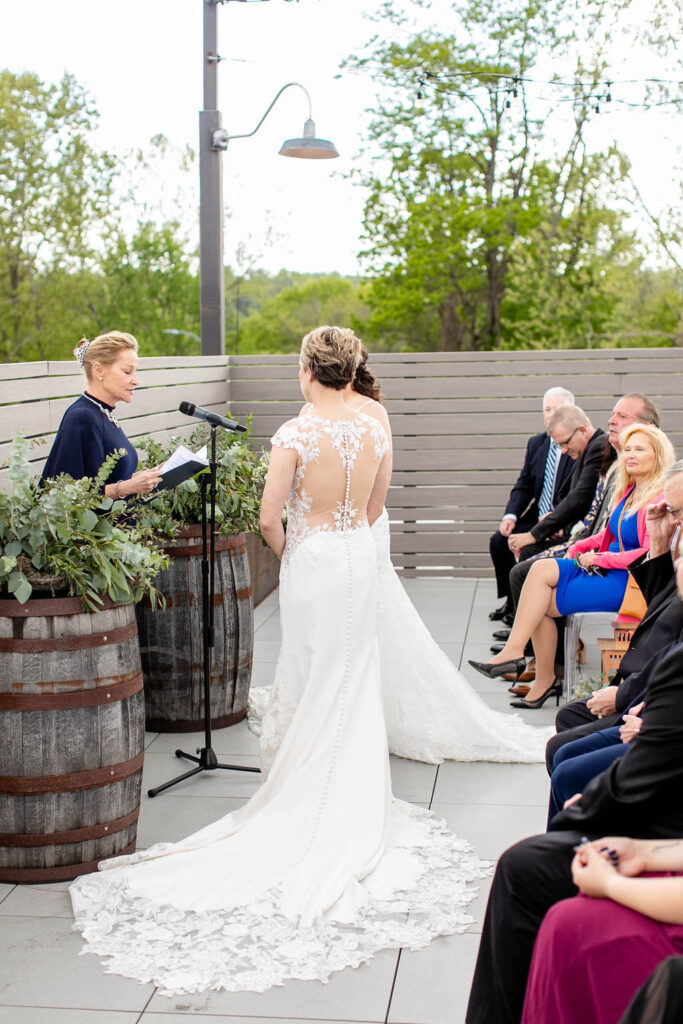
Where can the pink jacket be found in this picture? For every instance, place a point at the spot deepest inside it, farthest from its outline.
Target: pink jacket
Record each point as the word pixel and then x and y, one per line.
pixel 602 540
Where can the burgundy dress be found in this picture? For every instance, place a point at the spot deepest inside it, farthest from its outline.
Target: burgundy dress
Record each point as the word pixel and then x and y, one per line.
pixel 590 957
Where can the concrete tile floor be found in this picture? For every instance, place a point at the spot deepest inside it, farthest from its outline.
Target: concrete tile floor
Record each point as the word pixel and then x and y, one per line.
pixel 44 981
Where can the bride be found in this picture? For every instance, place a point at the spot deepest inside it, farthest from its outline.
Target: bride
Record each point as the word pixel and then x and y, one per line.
pixel 322 867
pixel 432 713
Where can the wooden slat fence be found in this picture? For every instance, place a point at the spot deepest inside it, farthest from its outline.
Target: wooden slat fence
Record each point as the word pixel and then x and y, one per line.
pixel 460 423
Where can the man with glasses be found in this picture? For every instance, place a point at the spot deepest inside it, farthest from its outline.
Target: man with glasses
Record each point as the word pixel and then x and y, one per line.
pixel 573 432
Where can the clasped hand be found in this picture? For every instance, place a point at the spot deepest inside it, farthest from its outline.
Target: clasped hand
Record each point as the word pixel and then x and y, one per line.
pixel 595 863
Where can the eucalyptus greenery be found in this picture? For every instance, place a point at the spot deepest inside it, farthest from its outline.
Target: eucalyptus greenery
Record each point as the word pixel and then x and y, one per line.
pixel 240 476
pixel 64 528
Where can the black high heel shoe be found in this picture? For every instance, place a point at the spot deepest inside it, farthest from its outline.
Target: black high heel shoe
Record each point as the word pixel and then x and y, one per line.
pixel 554 690
pixel 516 665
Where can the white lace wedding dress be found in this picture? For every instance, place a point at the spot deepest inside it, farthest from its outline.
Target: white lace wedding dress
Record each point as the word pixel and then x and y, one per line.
pixel 432 713
pixel 322 867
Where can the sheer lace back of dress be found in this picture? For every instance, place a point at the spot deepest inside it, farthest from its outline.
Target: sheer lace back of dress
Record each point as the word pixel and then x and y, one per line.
pixel 337 462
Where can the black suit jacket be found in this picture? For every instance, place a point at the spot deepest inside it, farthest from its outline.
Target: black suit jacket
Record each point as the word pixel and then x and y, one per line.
pixel 576 494
pixel 661 626
pixel 526 493
pixel 641 794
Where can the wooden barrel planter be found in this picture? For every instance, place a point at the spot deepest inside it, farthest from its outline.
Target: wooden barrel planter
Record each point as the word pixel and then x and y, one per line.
pixel 71 737
pixel 171 638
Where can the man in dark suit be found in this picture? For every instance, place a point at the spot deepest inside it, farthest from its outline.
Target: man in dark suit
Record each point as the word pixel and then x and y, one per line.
pixel 571 429
pixel 544 474
pixel 661 626
pixel 640 795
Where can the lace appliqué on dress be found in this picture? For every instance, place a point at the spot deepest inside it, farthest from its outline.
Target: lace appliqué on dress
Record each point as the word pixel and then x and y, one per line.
pixel 303 436
pixel 421 892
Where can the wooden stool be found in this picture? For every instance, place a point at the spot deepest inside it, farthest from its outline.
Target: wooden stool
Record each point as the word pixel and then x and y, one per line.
pixel 612 648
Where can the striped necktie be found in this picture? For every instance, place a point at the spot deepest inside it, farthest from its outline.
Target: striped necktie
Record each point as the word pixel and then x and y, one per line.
pixel 546 501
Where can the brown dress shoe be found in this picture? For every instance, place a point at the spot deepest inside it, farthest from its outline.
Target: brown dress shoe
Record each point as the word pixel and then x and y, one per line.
pixel 527 676
pixel 520 690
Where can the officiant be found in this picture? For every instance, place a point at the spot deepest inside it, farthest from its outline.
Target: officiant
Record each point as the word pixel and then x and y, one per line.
pixel 90 431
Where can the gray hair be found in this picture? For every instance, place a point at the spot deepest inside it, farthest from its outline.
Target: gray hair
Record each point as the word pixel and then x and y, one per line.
pixel 559 391
pixel 568 416
pixel 674 470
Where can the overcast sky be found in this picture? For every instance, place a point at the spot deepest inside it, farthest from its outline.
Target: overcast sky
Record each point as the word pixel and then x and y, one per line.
pixel 142 63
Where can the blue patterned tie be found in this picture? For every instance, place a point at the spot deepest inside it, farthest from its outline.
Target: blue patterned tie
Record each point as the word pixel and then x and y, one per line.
pixel 546 502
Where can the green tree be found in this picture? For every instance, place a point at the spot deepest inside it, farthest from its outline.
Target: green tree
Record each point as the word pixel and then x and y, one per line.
pixel 486 204
pixel 282 322
pixel 55 189
pixel 150 286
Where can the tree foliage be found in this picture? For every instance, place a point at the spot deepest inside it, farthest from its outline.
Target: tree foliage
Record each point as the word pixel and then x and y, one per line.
pixel 284 319
pixel 54 191
pixel 490 221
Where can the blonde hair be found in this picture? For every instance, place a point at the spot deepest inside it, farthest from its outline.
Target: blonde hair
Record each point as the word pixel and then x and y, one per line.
pixel 104 349
pixel 664 458
pixel 332 354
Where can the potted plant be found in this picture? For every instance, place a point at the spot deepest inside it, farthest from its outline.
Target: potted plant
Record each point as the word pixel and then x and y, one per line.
pixel 171 639
pixel 72 722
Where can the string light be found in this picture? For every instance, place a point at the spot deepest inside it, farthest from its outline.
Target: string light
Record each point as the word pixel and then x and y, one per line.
pixel 597 94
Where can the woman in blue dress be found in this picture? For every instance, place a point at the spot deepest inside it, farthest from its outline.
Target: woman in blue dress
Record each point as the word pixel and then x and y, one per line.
pixel 592 576
pixel 90 431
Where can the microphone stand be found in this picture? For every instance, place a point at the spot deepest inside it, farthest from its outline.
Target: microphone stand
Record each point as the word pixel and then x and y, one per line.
pixel 206 761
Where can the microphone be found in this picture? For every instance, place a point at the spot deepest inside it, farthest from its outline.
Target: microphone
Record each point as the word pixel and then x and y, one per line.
pixel 212 418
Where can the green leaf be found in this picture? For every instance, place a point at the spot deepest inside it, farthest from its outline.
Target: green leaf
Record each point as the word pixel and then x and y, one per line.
pixel 88 519
pixel 23 591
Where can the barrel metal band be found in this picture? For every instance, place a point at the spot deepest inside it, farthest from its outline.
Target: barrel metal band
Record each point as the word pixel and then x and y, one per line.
pixel 81 642
pixel 60 874
pixel 76 835
pixel 20 785
pixel 70 699
pixel 220 544
pixel 53 607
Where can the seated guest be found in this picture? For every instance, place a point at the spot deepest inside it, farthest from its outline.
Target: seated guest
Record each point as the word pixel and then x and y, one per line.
pixel 571 429
pixel 586 449
pixel 598 511
pixel 640 795
pixel 661 625
pixel 90 431
pixel 577 763
pixel 541 483
pixel 594 950
pixel 593 576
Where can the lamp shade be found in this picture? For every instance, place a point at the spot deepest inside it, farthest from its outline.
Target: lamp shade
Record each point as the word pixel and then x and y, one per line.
pixel 309 147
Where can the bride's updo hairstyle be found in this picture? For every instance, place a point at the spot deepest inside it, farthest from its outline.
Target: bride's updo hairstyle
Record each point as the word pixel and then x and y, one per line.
pixel 332 355
pixel 105 349
pixel 365 383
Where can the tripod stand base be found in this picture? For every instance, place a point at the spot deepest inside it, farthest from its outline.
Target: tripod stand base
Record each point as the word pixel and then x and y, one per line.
pixel 206 762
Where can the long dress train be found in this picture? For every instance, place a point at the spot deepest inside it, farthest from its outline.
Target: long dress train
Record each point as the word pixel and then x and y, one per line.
pixel 432 713
pixel 322 867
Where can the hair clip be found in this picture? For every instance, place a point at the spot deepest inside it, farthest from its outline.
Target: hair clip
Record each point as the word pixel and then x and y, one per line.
pixel 79 352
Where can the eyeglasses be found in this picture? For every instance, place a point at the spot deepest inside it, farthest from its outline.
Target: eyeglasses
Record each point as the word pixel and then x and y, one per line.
pixel 563 444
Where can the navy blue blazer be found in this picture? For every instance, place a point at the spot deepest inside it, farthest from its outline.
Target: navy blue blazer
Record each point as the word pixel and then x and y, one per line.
pixel 526 493
pixel 84 439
